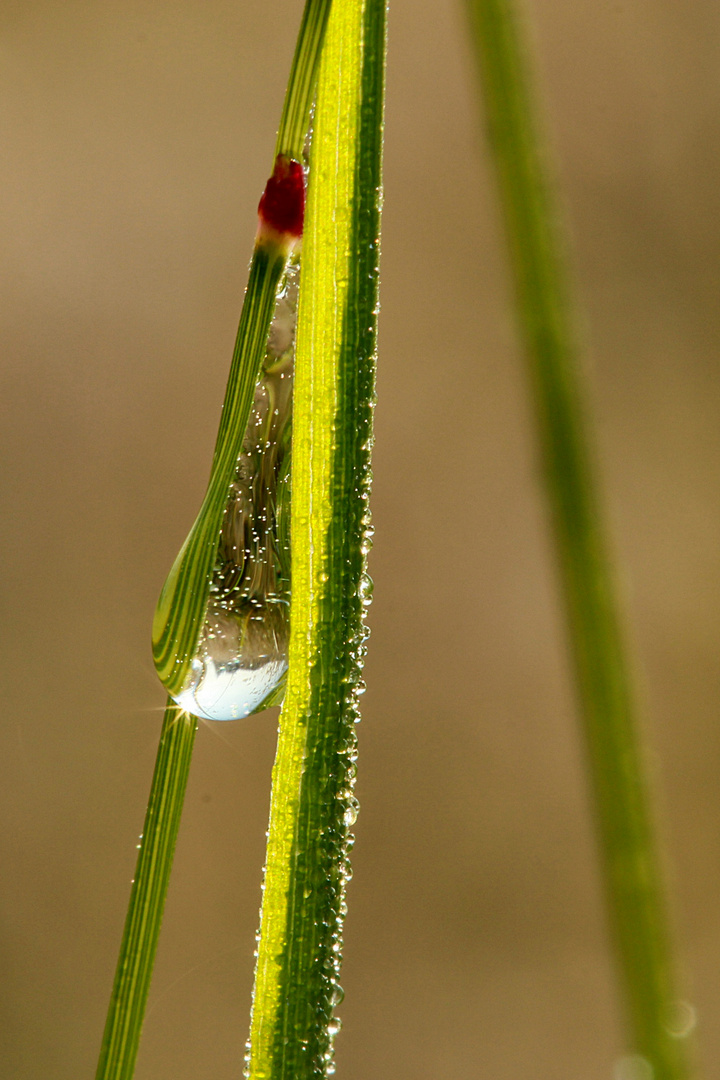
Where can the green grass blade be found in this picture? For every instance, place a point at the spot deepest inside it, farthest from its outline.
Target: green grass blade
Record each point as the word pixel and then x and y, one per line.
pixel 603 674
pixel 303 80
pixel 182 603
pixel 181 608
pixel 312 802
pixel 147 897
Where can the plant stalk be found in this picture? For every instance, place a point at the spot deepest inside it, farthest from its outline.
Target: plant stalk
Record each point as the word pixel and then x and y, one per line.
pixel 181 608
pixel 147 896
pixel 602 669
pixel 185 595
pixel 312 805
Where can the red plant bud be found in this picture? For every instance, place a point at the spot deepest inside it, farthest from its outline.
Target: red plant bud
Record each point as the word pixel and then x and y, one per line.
pixel 282 206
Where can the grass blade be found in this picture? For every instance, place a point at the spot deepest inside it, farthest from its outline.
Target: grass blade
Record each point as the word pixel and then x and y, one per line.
pixel 602 668
pixel 182 604
pixel 300 93
pixel 312 803
pixel 183 601
pixel 147 897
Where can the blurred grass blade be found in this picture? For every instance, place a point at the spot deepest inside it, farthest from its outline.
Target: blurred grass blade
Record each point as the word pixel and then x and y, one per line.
pixel 312 802
pixel 147 897
pixel 602 669
pixel 184 597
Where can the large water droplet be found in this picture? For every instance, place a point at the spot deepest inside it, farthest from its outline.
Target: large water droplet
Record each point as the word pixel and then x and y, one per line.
pixel 241 658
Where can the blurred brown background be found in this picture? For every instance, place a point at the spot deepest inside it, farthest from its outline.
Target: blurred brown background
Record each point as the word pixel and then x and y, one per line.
pixel 136 138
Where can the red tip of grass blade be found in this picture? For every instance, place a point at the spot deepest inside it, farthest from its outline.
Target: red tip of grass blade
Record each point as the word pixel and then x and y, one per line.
pixel 282 206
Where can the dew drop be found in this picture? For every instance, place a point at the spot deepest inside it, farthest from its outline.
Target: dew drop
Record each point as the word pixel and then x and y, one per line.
pixel 351 812
pixel 365 589
pixel 241 659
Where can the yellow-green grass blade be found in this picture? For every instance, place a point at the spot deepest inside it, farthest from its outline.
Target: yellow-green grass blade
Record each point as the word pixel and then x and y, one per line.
pixel 312 803
pixel 602 669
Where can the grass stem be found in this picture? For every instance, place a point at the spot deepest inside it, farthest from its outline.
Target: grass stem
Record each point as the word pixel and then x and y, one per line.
pixel 147 897
pixel 183 600
pixel 312 807
pixel 184 597
pixel 602 669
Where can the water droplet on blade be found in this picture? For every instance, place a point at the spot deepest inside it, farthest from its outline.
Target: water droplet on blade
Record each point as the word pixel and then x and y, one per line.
pixel 241 659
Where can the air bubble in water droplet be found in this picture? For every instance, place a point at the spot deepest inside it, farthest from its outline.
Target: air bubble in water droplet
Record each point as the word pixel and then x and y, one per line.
pixel 241 658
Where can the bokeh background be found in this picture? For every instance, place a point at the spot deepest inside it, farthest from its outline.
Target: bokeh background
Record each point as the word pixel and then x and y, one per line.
pixel 136 138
